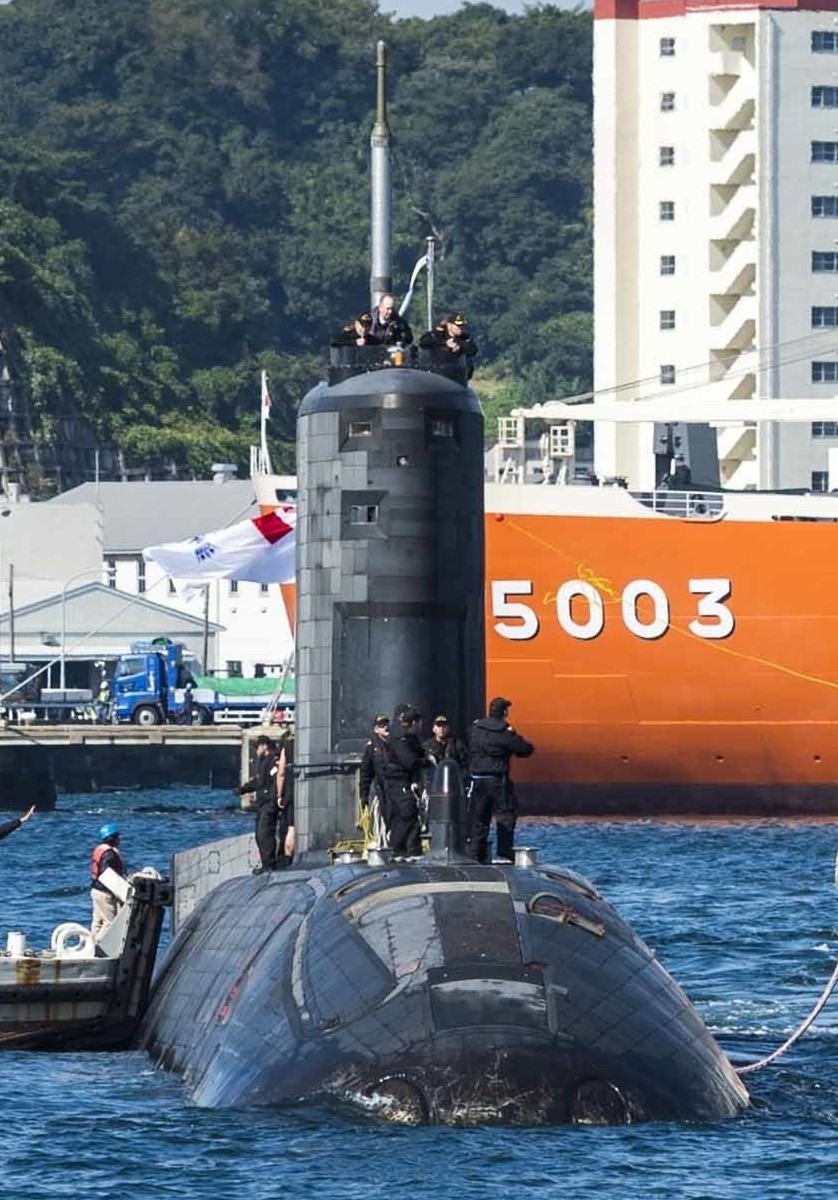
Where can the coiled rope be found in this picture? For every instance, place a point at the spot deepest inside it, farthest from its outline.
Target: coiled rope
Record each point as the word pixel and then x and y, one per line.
pixel 798 1033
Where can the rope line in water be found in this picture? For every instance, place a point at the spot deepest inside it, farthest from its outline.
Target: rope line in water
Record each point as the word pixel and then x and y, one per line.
pixel 763 1062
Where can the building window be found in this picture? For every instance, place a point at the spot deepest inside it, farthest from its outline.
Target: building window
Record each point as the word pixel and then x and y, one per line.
pixel 667 47
pixel 825 317
pixel 825 206
pixel 234 587
pixel 825 97
pixel 111 572
pixel 667 264
pixel 824 42
pixel 234 668
pixel 825 152
pixel 666 210
pixel 667 102
pixel 825 372
pixel 820 481
pixel 667 318
pixel 666 156
pixel 824 429
pixel 667 373
pixel 263 588
pixel 141 583
pixel 172 588
pixel 825 260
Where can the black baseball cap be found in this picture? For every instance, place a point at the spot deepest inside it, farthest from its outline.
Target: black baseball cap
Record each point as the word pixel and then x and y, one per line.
pixel 441 720
pixel 381 719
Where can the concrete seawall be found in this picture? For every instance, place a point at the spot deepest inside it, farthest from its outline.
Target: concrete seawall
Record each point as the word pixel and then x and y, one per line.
pixel 37 763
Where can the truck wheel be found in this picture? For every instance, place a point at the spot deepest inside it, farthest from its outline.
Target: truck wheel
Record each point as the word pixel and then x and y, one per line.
pixel 203 716
pixel 146 714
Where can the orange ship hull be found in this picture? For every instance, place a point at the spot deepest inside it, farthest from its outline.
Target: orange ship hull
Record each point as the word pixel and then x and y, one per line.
pixel 673 697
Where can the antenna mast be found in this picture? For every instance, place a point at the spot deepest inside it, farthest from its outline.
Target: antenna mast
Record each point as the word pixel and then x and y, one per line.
pixel 380 278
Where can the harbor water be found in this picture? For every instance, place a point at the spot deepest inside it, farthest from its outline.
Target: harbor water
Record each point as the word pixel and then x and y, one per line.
pixel 744 915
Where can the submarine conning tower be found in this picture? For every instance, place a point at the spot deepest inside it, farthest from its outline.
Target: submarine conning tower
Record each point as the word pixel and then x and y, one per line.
pixel 389 575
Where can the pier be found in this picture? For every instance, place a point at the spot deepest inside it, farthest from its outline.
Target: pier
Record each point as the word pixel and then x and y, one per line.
pixel 39 761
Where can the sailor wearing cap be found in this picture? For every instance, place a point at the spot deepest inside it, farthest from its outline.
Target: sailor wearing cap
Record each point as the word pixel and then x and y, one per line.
pixel 451 341
pixel 371 780
pixel 443 744
pixel 492 743
pixel 403 781
pixel 357 332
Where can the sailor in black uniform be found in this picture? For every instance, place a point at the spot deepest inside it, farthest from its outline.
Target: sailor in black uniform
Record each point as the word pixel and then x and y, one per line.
pixel 263 783
pixel 492 743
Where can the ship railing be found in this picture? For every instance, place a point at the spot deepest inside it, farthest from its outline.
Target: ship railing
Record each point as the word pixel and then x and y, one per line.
pixel 689 505
pixel 347 361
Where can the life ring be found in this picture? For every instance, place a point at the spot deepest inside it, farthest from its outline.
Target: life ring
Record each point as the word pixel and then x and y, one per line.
pixel 71 940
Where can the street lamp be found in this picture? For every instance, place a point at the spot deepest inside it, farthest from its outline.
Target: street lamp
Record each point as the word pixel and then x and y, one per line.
pixel 72 579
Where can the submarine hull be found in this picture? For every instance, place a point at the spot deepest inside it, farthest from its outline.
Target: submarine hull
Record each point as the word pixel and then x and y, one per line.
pixel 453 994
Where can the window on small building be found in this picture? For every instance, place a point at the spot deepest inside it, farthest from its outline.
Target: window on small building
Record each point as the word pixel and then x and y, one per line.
pixel 363 514
pixel 667 102
pixel 824 260
pixel 666 210
pixel 234 587
pixel 141 583
pixel 111 573
pixel 825 152
pixel 825 372
pixel 824 429
pixel 820 481
pixel 825 317
pixel 824 97
pixel 667 373
pixel 263 588
pixel 667 47
pixel 667 264
pixel 824 41
pixel 234 668
pixel 667 318
pixel 666 156
pixel 825 206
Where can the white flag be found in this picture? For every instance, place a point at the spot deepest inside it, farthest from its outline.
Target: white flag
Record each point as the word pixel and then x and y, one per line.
pixel 262 550
pixel 266 396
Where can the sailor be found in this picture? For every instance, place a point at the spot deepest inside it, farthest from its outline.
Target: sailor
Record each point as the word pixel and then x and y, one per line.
pixel 105 854
pixel 263 783
pixel 356 332
pixel 443 744
pixel 10 826
pixel 285 791
pixel 403 782
pixel 492 743
pixel 371 779
pixel 450 341
pixel 388 328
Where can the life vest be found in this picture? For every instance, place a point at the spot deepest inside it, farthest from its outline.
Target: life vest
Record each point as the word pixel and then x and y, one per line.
pixel 98 854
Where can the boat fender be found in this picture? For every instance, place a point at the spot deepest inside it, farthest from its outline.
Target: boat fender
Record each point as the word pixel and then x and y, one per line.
pixel 71 940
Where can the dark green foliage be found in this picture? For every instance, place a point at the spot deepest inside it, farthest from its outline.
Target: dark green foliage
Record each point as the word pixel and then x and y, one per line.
pixel 185 201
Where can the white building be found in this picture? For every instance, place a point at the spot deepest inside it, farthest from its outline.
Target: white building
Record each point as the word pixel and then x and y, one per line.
pixel 716 224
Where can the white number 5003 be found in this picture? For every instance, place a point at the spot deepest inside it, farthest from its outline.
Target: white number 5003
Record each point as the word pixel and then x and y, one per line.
pixel 518 622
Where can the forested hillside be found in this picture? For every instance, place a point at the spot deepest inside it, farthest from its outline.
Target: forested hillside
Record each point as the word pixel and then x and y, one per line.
pixel 184 199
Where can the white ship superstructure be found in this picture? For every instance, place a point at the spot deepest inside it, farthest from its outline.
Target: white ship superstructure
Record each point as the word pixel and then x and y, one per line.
pixel 716 227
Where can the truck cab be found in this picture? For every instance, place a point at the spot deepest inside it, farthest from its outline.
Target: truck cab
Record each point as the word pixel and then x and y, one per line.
pixel 149 683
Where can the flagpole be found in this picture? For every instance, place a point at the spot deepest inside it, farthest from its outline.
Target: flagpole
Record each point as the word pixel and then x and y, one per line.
pixel 265 413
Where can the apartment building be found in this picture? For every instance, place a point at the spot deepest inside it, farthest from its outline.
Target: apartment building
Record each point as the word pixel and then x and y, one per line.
pixel 716 226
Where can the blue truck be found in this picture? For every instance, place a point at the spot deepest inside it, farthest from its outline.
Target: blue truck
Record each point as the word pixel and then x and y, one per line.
pixel 154 684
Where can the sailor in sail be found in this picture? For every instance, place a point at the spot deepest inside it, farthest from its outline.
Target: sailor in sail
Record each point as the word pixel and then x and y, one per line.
pixel 492 743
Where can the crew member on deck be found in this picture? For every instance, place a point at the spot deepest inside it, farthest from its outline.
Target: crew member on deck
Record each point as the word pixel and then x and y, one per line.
pixel 443 744
pixel 10 826
pixel 451 342
pixel 403 782
pixel 371 779
pixel 357 332
pixel 492 743
pixel 388 328
pixel 285 790
pixel 264 784
pixel 105 854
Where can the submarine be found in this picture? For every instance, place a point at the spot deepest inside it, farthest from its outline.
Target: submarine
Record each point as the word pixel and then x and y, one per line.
pixel 432 989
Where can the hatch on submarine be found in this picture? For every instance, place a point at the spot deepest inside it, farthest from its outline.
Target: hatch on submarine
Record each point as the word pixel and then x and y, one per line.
pixel 433 989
